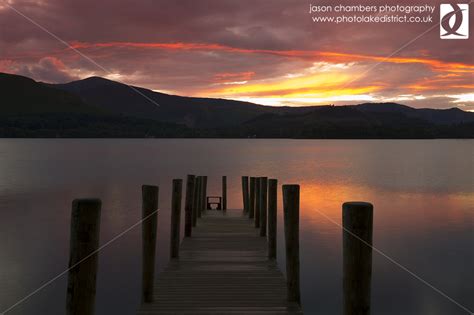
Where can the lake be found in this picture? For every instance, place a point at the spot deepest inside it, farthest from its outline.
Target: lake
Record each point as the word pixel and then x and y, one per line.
pixel 422 191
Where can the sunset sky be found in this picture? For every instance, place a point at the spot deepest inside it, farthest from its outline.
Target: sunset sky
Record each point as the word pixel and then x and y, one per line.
pixel 265 51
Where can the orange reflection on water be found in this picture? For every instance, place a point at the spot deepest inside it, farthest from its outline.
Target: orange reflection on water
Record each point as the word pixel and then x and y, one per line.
pixel 328 198
pixel 394 211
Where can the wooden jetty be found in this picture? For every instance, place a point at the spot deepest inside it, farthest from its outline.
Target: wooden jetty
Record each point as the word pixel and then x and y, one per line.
pixel 226 263
pixel 222 269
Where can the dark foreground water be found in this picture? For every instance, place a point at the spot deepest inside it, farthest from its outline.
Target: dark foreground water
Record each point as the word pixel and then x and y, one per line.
pixel 423 193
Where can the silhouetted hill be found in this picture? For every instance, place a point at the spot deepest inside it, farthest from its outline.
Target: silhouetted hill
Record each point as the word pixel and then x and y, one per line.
pixel 193 112
pixel 217 113
pixel 340 122
pixel 97 107
pixel 22 95
pixel 32 109
pixel 437 116
pixel 363 121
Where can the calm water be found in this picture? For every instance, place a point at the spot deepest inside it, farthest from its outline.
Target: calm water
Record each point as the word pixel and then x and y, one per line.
pixel 423 193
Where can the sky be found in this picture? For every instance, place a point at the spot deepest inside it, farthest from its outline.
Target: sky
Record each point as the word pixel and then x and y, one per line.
pixel 267 52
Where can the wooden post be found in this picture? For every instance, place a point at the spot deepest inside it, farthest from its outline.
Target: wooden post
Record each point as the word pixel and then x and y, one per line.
pixel 150 221
pixel 83 258
pixel 291 210
pixel 252 198
pixel 175 217
pixel 263 206
pixel 201 192
pixel 272 218
pixel 204 197
pixel 257 202
pixel 196 200
pixel 357 220
pixel 245 193
pixel 224 193
pixel 188 206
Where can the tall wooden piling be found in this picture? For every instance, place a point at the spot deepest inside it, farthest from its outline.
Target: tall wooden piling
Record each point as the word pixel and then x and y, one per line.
pixel 357 220
pixel 188 206
pixel 200 197
pixel 245 193
pixel 83 258
pixel 263 205
pixel 272 218
pixel 224 193
pixel 175 217
pixel 195 200
pixel 149 224
pixel 257 202
pixel 291 210
pixel 252 198
pixel 204 197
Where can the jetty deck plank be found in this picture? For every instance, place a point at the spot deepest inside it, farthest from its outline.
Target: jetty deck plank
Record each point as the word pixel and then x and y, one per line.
pixel 222 269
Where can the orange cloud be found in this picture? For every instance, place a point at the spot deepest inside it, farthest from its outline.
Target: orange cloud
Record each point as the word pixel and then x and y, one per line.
pixel 232 77
pixel 313 85
pixel 432 63
pixel 434 87
pixel 303 54
pixel 441 81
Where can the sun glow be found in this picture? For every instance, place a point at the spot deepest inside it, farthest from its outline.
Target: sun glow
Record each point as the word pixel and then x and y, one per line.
pixel 294 77
pixel 463 98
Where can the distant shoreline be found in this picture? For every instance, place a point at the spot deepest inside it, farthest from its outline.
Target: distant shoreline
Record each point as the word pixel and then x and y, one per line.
pixel 100 108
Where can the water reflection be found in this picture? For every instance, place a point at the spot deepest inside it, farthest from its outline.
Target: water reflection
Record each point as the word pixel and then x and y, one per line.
pixel 430 234
pixel 423 193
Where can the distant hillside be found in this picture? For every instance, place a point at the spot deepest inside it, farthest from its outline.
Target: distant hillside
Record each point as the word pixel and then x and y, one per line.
pixel 341 122
pixel 370 121
pixel 437 116
pixel 192 112
pixel 96 107
pixel 32 109
pixel 21 95
pixel 217 113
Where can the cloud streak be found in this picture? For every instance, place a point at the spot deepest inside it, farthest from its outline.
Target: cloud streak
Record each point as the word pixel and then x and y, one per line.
pixel 303 54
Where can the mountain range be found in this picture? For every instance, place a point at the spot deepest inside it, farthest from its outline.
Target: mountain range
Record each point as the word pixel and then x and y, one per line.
pixel 97 107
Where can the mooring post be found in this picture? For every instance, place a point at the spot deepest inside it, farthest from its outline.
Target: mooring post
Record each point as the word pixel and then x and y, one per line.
pixel 272 218
pixel 245 193
pixel 224 193
pixel 188 206
pixel 175 217
pixel 195 200
pixel 149 224
pixel 201 192
pixel 252 198
pixel 83 256
pixel 204 197
pixel 263 205
pixel 291 211
pixel 357 221
pixel 257 202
